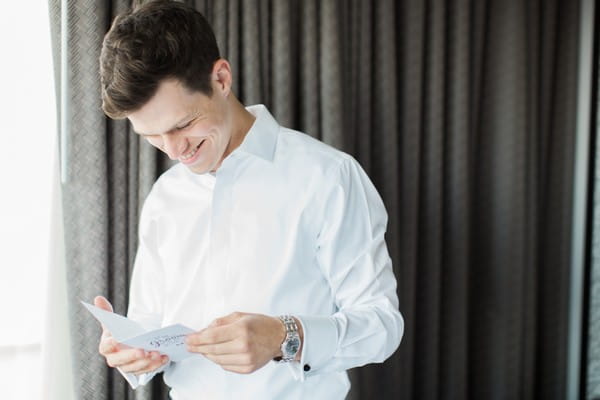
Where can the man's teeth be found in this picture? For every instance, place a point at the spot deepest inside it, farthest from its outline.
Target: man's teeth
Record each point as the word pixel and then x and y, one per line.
pixel 189 155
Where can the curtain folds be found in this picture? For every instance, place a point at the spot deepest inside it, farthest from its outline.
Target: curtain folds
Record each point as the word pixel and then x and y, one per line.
pixel 108 173
pixel 463 114
pixel 592 365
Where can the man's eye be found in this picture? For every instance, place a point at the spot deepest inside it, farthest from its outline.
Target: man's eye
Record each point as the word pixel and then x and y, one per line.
pixel 184 126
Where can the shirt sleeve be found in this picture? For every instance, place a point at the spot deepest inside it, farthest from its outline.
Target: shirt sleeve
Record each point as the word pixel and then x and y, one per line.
pixel 352 254
pixel 146 294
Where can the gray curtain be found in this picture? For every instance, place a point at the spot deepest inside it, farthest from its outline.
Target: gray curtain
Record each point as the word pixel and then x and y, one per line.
pixel 463 114
pixel 592 387
pixel 108 173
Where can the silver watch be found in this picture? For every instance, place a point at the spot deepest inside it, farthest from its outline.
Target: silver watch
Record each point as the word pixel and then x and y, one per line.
pixel 291 343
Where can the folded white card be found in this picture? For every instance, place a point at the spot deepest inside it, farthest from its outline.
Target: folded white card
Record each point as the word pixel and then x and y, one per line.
pixel 169 340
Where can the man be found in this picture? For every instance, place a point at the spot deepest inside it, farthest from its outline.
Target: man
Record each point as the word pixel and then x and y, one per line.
pixel 267 241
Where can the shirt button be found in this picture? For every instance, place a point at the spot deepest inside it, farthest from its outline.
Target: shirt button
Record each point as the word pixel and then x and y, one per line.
pixel 306 367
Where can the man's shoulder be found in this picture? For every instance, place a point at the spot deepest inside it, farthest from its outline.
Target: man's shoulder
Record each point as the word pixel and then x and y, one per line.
pixel 298 147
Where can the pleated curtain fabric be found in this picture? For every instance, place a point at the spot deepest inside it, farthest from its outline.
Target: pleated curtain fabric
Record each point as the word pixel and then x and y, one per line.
pixel 592 388
pixel 109 171
pixel 463 114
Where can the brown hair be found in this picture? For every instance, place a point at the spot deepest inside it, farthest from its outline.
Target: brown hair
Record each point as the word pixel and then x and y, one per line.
pixel 158 40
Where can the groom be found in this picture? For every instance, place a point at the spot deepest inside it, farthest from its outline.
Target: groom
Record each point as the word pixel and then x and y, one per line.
pixel 267 241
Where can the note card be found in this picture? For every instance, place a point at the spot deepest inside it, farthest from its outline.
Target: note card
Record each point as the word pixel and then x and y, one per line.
pixel 169 340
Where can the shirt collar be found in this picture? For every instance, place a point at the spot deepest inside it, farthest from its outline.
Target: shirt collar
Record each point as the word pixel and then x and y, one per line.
pixel 261 139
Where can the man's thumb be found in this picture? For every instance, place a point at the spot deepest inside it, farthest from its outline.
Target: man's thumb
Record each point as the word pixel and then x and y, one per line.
pixel 101 302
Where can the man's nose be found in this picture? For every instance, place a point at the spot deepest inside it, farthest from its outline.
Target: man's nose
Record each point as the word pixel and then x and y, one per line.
pixel 173 145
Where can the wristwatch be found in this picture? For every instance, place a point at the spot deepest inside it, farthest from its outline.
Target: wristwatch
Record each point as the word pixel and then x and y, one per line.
pixel 291 343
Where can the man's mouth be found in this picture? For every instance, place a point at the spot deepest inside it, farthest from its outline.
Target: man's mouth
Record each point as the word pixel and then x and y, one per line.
pixel 191 153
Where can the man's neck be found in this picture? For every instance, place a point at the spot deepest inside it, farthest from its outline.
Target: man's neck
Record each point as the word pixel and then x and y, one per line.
pixel 242 122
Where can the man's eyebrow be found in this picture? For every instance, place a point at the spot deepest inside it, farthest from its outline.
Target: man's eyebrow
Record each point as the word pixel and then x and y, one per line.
pixel 181 121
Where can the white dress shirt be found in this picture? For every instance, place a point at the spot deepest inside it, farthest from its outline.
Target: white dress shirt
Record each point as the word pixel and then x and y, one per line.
pixel 286 225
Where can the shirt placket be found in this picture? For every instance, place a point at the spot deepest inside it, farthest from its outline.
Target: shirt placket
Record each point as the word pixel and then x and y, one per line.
pixel 216 284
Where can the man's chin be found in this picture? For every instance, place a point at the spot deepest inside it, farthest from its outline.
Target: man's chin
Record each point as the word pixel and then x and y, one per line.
pixel 201 168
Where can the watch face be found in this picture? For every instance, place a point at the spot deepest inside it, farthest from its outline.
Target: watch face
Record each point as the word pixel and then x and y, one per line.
pixel 292 345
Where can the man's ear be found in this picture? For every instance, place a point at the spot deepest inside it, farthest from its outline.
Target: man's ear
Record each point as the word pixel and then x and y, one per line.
pixel 221 75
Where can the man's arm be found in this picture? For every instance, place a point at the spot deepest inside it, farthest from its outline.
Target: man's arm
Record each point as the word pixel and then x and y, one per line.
pixel 351 251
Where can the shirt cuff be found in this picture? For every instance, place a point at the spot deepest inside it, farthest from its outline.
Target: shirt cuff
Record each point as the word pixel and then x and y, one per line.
pixel 318 346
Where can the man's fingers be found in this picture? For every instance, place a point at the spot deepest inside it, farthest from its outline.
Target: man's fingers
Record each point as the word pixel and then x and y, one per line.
pixel 107 345
pixel 136 361
pixel 226 320
pixel 103 303
pixel 221 330
pixel 143 365
pixel 214 335
pixel 236 346
pixel 155 364
pixel 124 357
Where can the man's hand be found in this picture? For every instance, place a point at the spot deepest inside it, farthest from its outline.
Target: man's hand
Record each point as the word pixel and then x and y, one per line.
pixel 136 361
pixel 239 342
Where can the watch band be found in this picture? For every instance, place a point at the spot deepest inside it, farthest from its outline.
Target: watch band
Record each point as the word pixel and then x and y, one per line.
pixel 291 343
pixel 290 323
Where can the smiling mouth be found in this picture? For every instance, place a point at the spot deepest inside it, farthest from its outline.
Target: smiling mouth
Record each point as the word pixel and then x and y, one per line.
pixel 191 153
